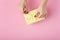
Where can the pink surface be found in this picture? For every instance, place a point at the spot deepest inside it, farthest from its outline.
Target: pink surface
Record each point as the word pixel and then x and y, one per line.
pixel 14 27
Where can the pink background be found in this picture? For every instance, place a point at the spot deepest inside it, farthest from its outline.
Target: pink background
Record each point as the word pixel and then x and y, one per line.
pixel 14 27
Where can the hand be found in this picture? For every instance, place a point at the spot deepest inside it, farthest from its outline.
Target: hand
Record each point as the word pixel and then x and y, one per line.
pixel 23 6
pixel 41 10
